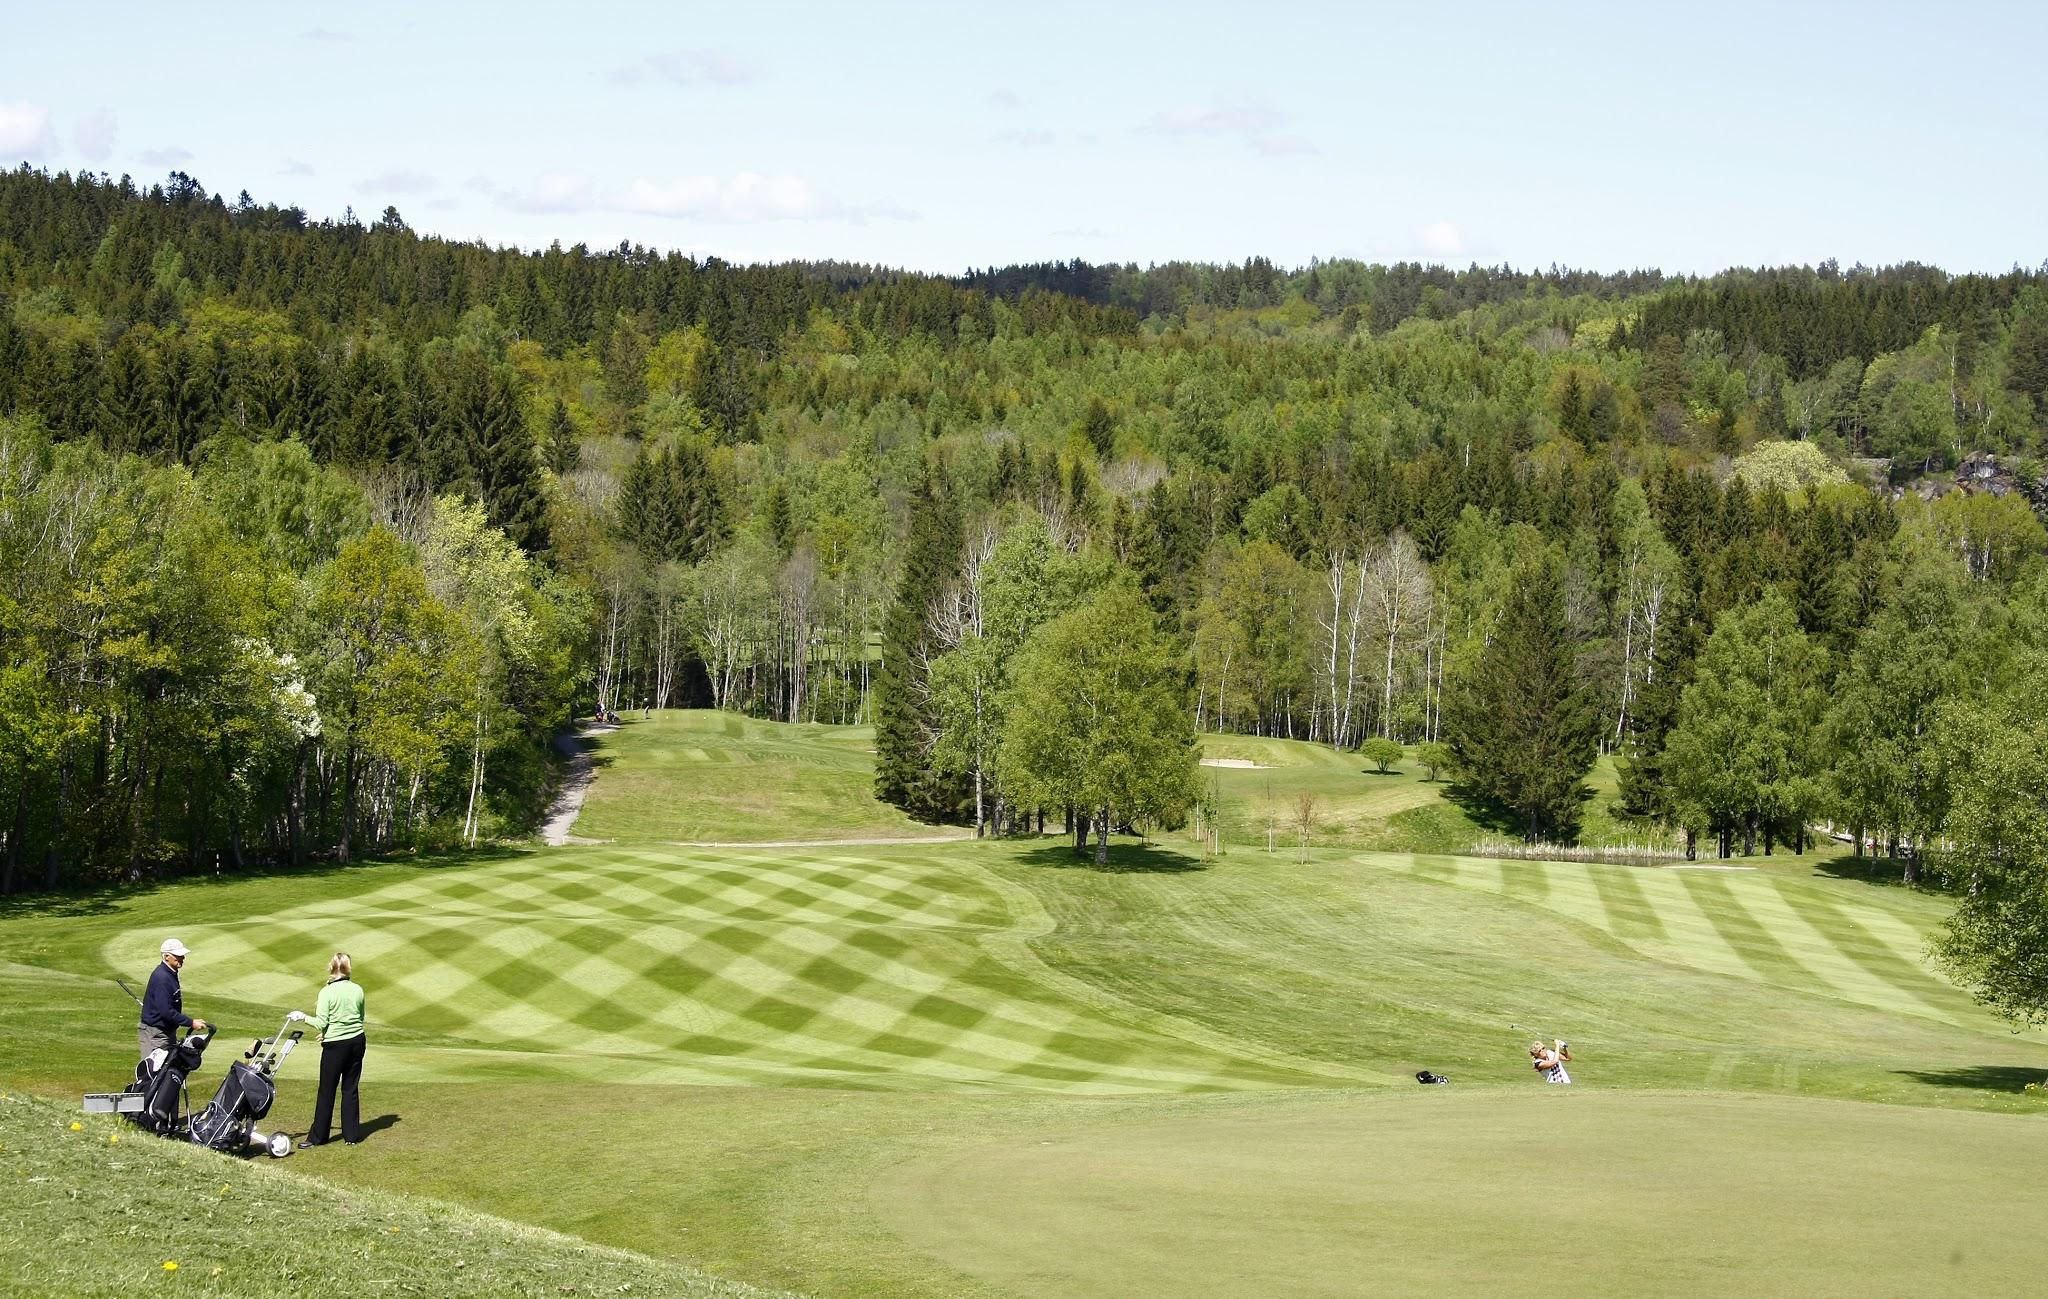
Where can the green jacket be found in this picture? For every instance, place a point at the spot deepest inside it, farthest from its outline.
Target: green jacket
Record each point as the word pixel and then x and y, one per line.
pixel 339 1014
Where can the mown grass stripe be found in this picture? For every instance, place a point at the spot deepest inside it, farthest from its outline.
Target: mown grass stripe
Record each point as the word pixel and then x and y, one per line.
pixel 1853 940
pixel 1626 907
pixel 1758 947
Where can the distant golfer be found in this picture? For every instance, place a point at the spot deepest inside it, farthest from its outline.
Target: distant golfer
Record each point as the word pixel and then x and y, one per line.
pixel 163 1005
pixel 338 1018
pixel 1550 1061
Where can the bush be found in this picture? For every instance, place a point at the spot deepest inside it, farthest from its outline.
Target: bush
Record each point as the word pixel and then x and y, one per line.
pixel 1381 752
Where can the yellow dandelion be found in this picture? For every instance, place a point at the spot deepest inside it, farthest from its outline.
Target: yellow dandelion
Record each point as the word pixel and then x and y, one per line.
pixel 76 1126
pixel 170 1265
pixel 113 1138
pixel 217 1271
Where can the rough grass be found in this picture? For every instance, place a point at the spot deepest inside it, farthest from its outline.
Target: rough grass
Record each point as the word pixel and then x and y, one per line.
pixel 701 776
pixel 108 1210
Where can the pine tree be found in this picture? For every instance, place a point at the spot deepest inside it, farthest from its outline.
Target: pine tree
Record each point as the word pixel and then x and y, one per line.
pixel 903 723
pixel 564 451
pixel 1521 722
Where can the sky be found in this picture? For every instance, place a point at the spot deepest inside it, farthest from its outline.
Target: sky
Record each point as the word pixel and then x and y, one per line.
pixel 941 137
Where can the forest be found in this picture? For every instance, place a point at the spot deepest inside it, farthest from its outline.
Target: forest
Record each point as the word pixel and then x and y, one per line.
pixel 313 533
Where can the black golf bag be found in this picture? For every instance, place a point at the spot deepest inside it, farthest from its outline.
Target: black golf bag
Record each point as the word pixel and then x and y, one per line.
pixel 160 1081
pixel 244 1096
pixel 228 1122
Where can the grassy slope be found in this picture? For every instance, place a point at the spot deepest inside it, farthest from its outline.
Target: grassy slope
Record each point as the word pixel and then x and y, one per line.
pixel 1357 806
pixel 107 1210
pixel 881 1008
pixel 696 775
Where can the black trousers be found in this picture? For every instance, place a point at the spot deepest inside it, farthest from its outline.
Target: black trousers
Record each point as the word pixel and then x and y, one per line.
pixel 340 1062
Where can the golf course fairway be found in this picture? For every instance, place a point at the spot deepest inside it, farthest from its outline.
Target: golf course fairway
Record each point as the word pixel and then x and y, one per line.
pixel 847 1067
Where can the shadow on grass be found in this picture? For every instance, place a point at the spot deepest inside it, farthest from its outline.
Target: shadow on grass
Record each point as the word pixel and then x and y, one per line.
pixel 1888 872
pixel 1979 1077
pixel 99 899
pixel 379 1124
pixel 1124 859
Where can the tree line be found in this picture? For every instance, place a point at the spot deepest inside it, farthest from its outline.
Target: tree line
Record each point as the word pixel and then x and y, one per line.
pixel 787 490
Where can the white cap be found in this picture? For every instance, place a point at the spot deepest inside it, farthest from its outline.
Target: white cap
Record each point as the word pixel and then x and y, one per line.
pixel 172 947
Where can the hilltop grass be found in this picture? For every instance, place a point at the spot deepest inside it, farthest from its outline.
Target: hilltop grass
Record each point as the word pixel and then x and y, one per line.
pixel 700 776
pixel 110 1211
pixel 771 1063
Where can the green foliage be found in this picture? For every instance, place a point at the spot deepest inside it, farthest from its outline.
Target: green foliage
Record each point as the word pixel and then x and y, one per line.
pixel 1098 718
pixel 1381 752
pixel 905 713
pixel 1996 831
pixel 1520 720
pixel 1787 466
pixel 1745 754
pixel 1435 756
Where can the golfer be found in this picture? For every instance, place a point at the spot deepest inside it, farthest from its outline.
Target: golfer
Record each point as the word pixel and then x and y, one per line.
pixel 338 1018
pixel 163 1005
pixel 1549 1061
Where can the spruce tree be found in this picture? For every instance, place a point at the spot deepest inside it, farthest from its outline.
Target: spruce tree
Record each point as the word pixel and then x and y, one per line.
pixel 1521 722
pixel 903 723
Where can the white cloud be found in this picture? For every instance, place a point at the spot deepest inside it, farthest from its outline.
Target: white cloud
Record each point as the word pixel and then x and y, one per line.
pixel 326 36
pixel 94 136
pixel 743 198
pixel 25 131
pixel 1029 139
pixel 1003 97
pixel 398 181
pixel 1255 126
pixel 293 167
pixel 1441 239
pixel 551 192
pixel 686 68
pixel 170 156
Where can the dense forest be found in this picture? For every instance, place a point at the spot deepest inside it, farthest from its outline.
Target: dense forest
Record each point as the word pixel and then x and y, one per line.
pixel 314 533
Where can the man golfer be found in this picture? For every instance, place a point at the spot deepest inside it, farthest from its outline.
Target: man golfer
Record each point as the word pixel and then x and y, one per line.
pixel 163 1005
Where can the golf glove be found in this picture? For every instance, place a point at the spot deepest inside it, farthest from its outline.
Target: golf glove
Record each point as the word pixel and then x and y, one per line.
pixel 295 1017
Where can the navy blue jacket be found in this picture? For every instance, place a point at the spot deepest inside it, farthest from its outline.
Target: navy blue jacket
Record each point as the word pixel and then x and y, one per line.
pixel 163 1006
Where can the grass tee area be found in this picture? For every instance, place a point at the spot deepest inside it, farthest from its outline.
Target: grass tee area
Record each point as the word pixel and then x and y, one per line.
pixel 990 1069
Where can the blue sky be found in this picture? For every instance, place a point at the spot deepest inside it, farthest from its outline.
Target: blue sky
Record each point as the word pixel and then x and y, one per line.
pixel 945 136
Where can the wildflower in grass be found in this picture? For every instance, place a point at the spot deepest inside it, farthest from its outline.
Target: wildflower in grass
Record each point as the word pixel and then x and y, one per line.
pixel 76 1126
pixel 170 1265
pixel 113 1138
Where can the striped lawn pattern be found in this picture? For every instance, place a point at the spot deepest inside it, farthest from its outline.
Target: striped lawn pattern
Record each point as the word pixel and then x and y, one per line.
pixel 1789 931
pixel 847 967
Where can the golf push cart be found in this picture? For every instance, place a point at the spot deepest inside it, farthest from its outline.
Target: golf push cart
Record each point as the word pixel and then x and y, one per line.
pixel 156 1100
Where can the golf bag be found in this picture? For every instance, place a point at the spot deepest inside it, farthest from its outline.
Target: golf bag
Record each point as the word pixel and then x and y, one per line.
pixel 160 1081
pixel 244 1097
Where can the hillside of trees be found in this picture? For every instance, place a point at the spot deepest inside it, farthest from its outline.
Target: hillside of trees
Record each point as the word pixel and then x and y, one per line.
pixel 313 533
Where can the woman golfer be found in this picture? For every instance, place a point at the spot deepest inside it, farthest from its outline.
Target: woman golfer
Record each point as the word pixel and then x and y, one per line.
pixel 1549 1061
pixel 338 1018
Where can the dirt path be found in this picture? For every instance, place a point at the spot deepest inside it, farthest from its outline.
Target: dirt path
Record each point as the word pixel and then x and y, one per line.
pixel 575 782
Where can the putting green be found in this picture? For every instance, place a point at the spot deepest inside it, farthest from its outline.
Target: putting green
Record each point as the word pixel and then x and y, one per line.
pixel 1482 1193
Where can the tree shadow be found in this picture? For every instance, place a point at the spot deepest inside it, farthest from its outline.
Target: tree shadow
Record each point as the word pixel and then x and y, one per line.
pixel 1374 771
pixel 1484 812
pixel 1884 872
pixel 1124 859
pixel 103 897
pixel 1980 1077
